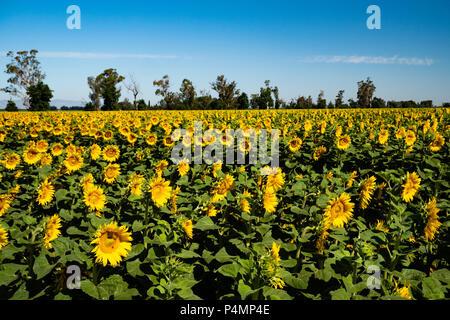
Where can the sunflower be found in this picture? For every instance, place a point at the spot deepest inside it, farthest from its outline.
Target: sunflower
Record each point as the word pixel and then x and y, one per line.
pixel 270 200
pixel 380 226
pixel 352 178
pixel 320 244
pixel 319 152
pixel 168 142
pixel 94 198
pixel 111 153
pixel 277 283
pixel 108 135
pixel 220 191
pixel 183 167
pixel 410 138
pixel 216 167
pixel 366 192
pixel 275 179
pixel 52 232
pixel 87 181
pixel 343 142
pixel 433 223
pixel 384 136
pixel 110 172
pixel 42 146
pixel 31 155
pixel 11 161
pixel 45 193
pixel 57 149
pixel 245 205
pixel 339 211
pixel 3 237
pixel 132 138
pixel 188 228
pixel 96 151
pixel 402 291
pixel 135 184
pixel 160 190
pixel 161 166
pixel 411 186
pixel 46 159
pixel 211 211
pixel 151 139
pixel 295 144
pixel 437 143
pixel 73 162
pixel 274 252
pixel 173 199
pixel 112 243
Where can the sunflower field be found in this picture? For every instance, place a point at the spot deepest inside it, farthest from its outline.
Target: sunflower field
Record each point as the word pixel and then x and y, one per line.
pixel 357 208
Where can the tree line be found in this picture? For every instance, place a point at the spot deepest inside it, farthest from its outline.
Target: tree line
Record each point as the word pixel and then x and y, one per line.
pixel 26 82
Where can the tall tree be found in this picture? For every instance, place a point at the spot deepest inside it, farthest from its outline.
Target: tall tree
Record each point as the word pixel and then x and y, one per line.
pixel 321 102
pixel 133 87
pixel 187 93
pixel 276 94
pixel 95 94
pixel 25 71
pixel 40 96
pixel 242 101
pixel 162 90
pixel 11 106
pixel 365 93
pixel 108 81
pixel 226 90
pixel 339 99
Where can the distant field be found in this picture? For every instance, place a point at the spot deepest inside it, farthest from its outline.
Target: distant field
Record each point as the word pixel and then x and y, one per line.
pixel 356 209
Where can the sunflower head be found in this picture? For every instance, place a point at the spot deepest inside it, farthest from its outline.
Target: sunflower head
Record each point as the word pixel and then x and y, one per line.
pixel 112 244
pixel 411 186
pixel 343 142
pixel 52 232
pixel 111 153
pixel 339 211
pixel 94 197
pixel 3 237
pixel 160 190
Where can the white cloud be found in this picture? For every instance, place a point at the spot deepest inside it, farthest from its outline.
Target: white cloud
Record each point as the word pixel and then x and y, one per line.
pixel 369 60
pixel 96 55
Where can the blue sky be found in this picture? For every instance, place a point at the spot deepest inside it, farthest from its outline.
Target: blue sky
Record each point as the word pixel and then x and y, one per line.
pixel 301 46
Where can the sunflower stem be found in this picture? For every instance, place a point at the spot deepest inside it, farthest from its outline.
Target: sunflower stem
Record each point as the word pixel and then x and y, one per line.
pixel 96 272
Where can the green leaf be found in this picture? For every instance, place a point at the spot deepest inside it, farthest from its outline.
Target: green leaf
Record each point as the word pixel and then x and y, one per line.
pixel 300 283
pixel 90 289
pixel 75 231
pixel 245 290
pixel 432 289
pixel 133 268
pixel 41 267
pixel 61 296
pixel 137 226
pixel 187 254
pixel 205 223
pixel 442 275
pixel 229 270
pixel 60 195
pixel 222 256
pixel 8 272
pixel 21 293
pixel 340 294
